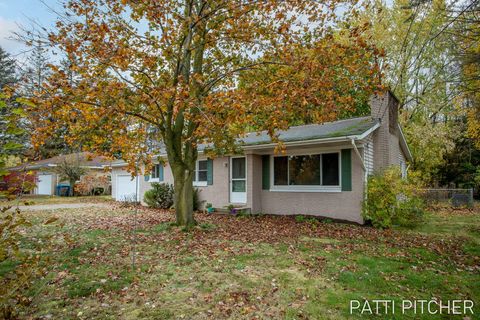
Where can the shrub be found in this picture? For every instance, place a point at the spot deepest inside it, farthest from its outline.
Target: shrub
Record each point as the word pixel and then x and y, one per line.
pixel 391 200
pixel 300 218
pixel 196 199
pixel 160 196
pixel 91 184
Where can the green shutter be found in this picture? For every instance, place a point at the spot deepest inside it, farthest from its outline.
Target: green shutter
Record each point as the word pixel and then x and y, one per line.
pixel 347 170
pixel 266 172
pixel 209 171
pixel 147 177
pixel 160 172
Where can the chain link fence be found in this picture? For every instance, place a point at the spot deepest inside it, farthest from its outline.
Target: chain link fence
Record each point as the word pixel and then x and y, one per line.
pixel 455 197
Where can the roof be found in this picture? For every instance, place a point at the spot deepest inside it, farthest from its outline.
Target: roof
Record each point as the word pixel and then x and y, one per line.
pixel 353 128
pixel 86 159
pixel 343 128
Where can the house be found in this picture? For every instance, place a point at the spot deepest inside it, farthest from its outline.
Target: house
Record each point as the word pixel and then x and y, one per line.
pixel 323 173
pixel 46 179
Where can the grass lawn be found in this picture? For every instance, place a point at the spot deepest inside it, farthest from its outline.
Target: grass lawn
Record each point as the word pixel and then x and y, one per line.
pixel 246 267
pixel 40 199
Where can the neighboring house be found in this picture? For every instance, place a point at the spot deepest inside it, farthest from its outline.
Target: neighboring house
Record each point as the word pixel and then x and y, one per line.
pixel 46 179
pixel 323 173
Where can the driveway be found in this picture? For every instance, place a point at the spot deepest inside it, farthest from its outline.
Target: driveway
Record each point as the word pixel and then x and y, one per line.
pixel 55 206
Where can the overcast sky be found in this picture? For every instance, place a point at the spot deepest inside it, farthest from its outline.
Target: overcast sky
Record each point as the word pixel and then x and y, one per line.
pixel 15 14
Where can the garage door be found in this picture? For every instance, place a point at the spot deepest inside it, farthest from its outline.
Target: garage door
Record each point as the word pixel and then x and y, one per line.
pixel 44 184
pixel 126 188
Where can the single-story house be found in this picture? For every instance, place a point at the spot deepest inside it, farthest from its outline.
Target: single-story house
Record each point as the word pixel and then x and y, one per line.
pixel 46 179
pixel 323 173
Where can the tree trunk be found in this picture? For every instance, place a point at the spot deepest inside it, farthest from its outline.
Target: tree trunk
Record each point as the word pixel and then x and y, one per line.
pixel 183 184
pixel 72 185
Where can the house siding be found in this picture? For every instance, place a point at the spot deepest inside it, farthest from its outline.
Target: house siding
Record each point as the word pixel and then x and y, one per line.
pixel 217 193
pixel 254 182
pixel 368 154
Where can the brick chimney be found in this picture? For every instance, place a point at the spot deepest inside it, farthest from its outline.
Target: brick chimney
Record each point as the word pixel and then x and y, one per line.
pixel 384 107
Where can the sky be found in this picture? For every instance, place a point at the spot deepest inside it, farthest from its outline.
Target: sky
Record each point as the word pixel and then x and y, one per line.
pixel 18 14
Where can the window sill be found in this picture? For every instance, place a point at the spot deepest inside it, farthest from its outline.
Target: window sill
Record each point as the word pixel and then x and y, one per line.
pixel 154 180
pixel 200 183
pixel 306 189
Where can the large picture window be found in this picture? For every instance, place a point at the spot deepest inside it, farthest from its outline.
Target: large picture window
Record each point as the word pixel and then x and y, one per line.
pixel 307 170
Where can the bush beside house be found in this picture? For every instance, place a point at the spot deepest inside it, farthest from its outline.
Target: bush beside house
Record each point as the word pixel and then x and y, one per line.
pixel 392 200
pixel 162 194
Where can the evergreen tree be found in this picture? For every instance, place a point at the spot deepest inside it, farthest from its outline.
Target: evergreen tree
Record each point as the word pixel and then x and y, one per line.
pixel 34 76
pixel 13 137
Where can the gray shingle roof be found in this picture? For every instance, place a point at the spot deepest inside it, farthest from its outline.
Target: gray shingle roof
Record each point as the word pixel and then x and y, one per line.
pixel 341 128
pixel 85 158
pixel 336 129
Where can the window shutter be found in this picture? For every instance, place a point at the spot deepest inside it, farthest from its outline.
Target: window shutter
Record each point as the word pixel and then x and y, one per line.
pixel 160 172
pixel 347 170
pixel 266 172
pixel 209 172
pixel 147 177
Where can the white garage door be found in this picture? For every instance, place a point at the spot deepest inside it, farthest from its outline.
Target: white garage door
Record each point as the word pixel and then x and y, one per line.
pixel 44 184
pixel 126 188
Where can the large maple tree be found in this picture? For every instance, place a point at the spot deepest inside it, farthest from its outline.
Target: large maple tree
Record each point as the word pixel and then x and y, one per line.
pixel 200 72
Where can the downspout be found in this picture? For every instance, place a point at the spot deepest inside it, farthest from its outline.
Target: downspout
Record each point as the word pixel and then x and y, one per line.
pixel 360 157
pixel 365 173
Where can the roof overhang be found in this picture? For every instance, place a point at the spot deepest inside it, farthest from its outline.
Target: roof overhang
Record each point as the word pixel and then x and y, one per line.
pixel 315 141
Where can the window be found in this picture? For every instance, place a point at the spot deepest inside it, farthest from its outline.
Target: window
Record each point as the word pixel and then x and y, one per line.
pixel 305 172
pixel 330 170
pixel 200 175
pixel 156 172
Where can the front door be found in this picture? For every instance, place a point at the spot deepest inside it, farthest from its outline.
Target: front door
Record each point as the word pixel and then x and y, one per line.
pixel 238 180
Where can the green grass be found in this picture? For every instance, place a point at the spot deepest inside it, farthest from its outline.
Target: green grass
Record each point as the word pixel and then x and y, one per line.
pixel 204 274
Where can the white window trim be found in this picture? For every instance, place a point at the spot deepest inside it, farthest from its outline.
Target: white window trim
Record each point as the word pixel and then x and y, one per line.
pixel 237 179
pixel 306 188
pixel 156 179
pixel 200 183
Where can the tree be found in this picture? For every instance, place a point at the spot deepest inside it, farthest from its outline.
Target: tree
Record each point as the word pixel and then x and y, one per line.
pixel 467 33
pixel 13 137
pixel 34 75
pixel 422 68
pixel 203 72
pixel 7 69
pixel 70 169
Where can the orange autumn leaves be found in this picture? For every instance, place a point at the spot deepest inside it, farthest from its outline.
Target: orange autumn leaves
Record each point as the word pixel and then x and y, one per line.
pixel 201 72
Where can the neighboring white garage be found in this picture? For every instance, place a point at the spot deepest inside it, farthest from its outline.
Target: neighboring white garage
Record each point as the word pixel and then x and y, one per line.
pixel 44 184
pixel 126 188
